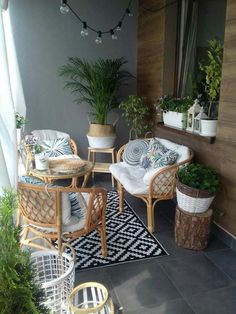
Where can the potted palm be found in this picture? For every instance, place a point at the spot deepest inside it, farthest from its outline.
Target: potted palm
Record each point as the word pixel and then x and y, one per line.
pixel 211 71
pixel 137 114
pixel 196 187
pixel 175 110
pixel 96 83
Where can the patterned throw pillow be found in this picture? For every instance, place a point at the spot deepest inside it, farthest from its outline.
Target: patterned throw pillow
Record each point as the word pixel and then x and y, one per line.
pixel 134 150
pixel 57 147
pixel 157 155
pixel 78 205
pixel 154 146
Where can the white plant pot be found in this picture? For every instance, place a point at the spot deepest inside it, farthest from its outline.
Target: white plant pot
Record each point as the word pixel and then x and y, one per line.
pixel 175 119
pixel 102 141
pixel 208 127
pixel 193 204
pixel 41 161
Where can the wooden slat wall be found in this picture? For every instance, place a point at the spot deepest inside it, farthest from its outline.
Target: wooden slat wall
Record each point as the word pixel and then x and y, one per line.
pixel 221 154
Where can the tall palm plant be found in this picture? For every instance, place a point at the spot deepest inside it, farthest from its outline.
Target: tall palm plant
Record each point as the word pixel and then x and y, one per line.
pixel 95 83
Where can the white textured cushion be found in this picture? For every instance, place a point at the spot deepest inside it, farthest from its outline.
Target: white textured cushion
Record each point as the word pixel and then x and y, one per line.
pixel 50 134
pixel 183 151
pixel 131 177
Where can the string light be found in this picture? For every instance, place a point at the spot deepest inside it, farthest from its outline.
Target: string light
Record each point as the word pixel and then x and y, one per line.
pixel 66 7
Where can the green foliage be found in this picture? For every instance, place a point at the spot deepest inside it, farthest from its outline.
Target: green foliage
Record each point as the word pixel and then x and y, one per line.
pixel 211 70
pixel 200 177
pixel 136 113
pixel 37 149
pixel 169 103
pixel 20 120
pixel 19 294
pixel 96 83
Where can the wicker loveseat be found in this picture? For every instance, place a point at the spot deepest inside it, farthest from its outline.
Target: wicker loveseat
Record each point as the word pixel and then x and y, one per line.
pixel 152 184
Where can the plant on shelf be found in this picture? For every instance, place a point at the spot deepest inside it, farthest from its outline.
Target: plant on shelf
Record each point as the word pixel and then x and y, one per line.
pixel 137 114
pixel 196 187
pixel 18 291
pixel 175 110
pixel 96 83
pixel 212 72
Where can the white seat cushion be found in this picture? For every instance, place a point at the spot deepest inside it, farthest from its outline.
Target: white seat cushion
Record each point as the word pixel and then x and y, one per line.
pixel 50 134
pixel 131 177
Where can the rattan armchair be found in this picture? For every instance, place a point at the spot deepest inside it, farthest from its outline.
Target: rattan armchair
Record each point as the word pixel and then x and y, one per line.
pixel 41 210
pixel 161 187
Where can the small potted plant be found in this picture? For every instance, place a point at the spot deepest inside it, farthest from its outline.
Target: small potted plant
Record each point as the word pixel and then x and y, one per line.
pixel 136 114
pixel 40 158
pixel 175 110
pixel 211 71
pixel 196 187
pixel 96 83
pixel 20 123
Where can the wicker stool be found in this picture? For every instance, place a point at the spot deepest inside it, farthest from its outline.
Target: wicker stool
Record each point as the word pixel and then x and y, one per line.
pixel 90 297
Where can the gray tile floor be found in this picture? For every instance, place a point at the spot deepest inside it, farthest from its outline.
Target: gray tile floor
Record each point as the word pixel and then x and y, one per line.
pixel 184 282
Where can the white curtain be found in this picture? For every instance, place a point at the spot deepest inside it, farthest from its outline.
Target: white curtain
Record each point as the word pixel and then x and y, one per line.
pixel 11 101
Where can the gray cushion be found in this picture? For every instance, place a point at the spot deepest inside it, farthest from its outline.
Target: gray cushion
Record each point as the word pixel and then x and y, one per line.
pixel 134 150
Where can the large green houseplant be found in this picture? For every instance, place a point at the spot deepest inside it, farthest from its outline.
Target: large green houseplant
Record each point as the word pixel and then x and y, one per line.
pixel 96 83
pixel 19 292
pixel 211 70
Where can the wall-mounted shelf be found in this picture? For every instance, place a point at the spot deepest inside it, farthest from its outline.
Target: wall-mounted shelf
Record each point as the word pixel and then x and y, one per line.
pixel 186 134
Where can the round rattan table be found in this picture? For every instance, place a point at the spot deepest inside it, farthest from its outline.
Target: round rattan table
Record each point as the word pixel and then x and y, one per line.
pixel 51 174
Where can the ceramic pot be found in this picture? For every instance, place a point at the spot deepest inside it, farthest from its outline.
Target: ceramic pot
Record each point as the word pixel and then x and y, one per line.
pixel 175 119
pixel 208 127
pixel 41 161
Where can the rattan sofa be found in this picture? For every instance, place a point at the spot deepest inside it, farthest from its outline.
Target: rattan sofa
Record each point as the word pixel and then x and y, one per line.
pixel 153 185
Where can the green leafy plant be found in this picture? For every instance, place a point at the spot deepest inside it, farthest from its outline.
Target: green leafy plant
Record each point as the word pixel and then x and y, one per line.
pixel 20 120
pixel 169 103
pixel 19 292
pixel 136 113
pixel 37 149
pixel 211 70
pixel 96 83
pixel 200 177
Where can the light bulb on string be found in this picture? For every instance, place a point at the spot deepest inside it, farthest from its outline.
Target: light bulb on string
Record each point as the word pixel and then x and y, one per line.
pixel 64 7
pixel 98 40
pixel 118 27
pixel 129 12
pixel 113 35
pixel 84 31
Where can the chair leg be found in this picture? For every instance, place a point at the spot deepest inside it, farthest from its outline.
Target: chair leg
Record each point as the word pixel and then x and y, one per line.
pixel 121 196
pixel 150 216
pixel 103 239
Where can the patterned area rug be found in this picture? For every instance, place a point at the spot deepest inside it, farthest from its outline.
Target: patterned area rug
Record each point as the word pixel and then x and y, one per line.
pixel 127 239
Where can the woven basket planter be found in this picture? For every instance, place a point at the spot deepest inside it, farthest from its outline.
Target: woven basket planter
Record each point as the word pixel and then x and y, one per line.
pixel 192 200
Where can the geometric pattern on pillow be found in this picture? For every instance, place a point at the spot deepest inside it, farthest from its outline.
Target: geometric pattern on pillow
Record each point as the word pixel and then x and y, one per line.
pixel 57 147
pixel 134 150
pixel 78 204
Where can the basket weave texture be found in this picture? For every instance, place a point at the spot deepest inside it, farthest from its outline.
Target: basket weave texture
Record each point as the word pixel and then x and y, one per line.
pixel 66 164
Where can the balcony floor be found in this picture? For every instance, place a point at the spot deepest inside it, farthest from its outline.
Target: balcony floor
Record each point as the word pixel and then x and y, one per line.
pixel 185 282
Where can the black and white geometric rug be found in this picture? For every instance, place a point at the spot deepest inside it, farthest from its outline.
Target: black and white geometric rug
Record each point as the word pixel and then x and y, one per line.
pixel 128 239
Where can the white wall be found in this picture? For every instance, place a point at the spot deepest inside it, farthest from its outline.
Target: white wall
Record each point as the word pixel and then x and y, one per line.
pixel 44 40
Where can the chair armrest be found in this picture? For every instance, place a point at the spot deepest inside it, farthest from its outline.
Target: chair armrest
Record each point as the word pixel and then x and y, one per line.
pixel 73 146
pixel 162 184
pixel 120 153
